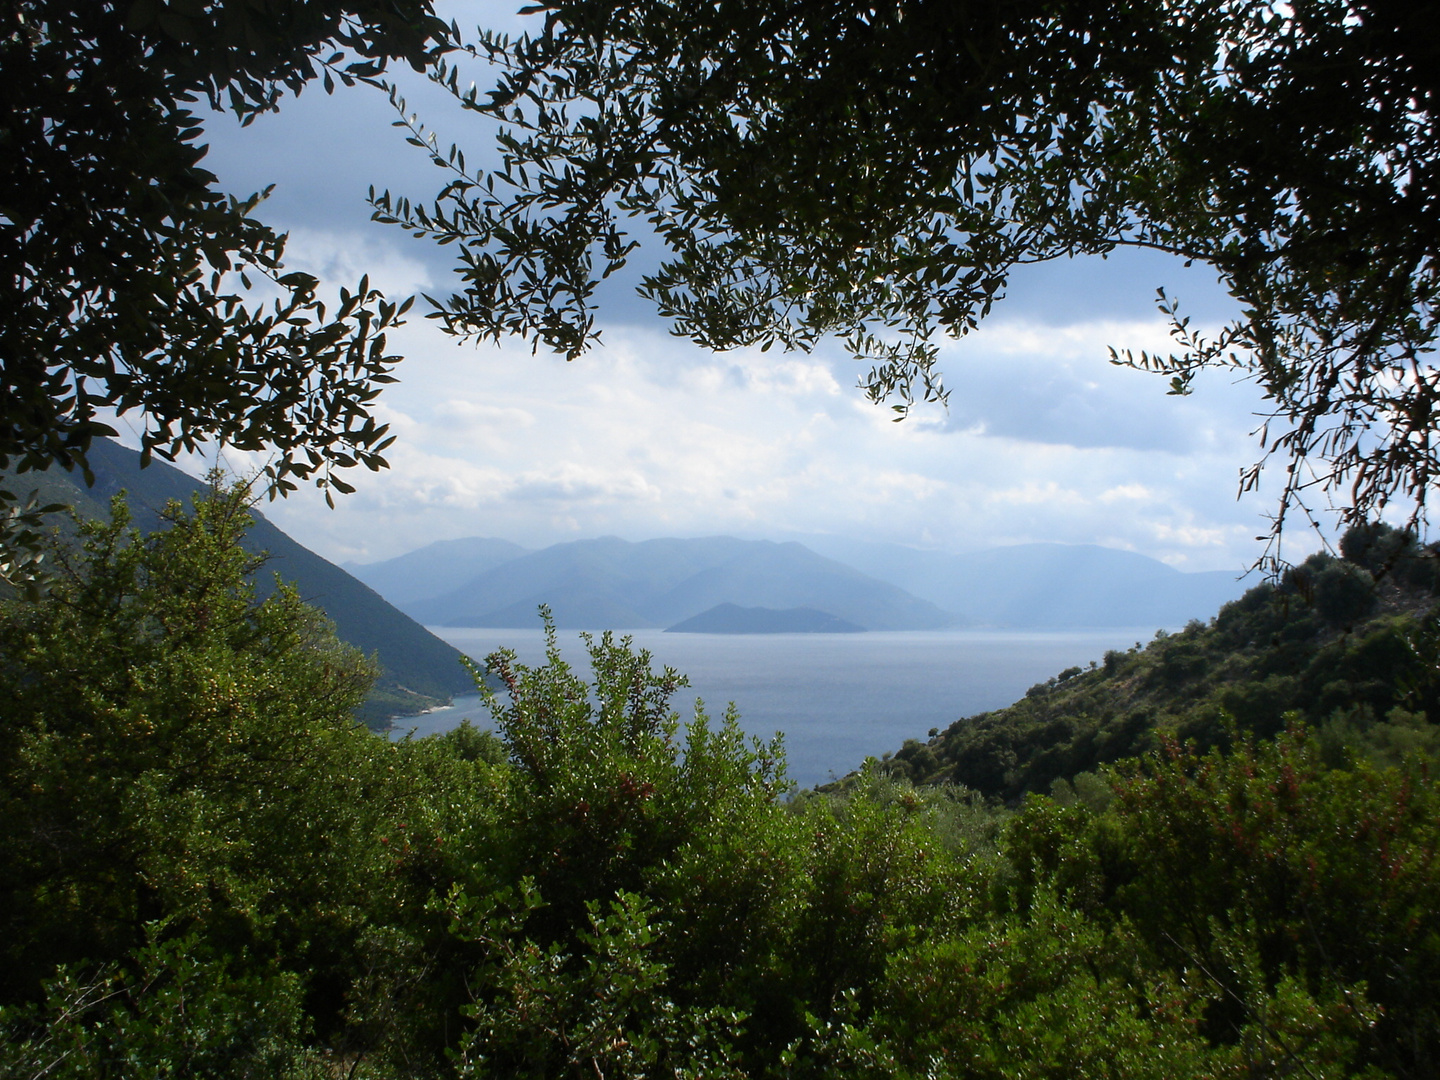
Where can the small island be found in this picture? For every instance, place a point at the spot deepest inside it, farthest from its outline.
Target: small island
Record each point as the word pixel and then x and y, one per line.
pixel 733 619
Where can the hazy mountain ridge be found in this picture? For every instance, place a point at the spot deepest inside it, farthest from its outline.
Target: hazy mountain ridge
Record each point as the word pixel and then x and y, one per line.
pixel 613 583
pixel 431 570
pixel 1036 586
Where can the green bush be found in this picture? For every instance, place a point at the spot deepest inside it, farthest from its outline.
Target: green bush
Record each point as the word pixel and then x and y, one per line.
pixel 207 869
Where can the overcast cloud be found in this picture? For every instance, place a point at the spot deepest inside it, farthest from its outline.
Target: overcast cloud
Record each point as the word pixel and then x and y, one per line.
pixel 649 436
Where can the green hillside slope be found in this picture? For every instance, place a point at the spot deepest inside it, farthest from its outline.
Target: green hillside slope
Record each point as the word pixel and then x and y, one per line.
pixel 1341 644
pixel 418 670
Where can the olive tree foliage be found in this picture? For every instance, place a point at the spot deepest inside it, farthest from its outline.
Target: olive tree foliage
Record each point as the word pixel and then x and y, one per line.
pixel 877 171
pixel 123 266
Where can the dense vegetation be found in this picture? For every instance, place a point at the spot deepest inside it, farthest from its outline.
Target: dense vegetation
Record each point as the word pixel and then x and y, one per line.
pixel 1345 645
pixel 415 670
pixel 210 870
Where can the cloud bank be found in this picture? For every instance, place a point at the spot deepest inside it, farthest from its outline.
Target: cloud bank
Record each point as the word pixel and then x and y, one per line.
pixel 649 436
pixel 1044 440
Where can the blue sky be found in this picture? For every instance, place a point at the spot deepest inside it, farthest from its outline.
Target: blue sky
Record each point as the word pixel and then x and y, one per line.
pixel 647 436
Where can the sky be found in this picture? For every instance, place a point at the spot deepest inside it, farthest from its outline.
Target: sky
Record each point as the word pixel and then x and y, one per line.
pixel 647 436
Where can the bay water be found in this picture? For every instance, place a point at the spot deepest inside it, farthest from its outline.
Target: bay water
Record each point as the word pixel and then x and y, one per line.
pixel 836 698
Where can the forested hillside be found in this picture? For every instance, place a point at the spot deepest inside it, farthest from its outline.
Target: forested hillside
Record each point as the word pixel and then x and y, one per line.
pixel 211 870
pixel 417 670
pixel 1345 645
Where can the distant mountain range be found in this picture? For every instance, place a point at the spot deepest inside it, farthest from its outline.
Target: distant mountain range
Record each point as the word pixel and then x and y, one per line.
pixel 613 583
pixel 417 668
pixel 431 570
pixel 1035 586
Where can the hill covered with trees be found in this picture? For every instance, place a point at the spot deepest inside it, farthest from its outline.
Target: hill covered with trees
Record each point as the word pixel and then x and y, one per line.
pixel 1343 644
pixel 210 869
pixel 416 669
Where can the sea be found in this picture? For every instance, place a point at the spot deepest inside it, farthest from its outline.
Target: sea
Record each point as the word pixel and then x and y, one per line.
pixel 834 698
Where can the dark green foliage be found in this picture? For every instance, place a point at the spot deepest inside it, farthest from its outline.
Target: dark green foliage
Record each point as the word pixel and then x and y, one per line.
pixel 1242 913
pixel 1326 876
pixel 209 870
pixel 913 761
pixel 417 669
pixel 123 267
pixel 740 915
pixel 469 743
pixel 1261 872
pixel 179 762
pixel 187 1013
pixel 1046 993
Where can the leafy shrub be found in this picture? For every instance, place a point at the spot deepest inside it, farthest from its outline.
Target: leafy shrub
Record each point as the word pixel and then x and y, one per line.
pixel 209 869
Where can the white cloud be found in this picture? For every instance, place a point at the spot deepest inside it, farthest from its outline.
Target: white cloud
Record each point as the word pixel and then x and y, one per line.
pixel 1125 493
pixel 570 482
pixel 1055 384
pixel 1044 440
pixel 651 437
pixel 342 257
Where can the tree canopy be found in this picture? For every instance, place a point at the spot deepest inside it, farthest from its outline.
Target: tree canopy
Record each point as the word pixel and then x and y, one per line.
pixel 123 265
pixel 876 172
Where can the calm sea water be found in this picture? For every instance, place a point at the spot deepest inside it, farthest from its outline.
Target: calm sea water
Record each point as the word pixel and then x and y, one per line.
pixel 836 697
